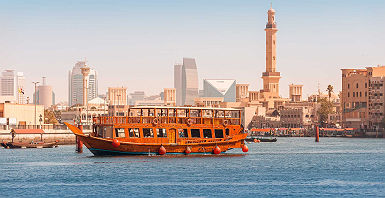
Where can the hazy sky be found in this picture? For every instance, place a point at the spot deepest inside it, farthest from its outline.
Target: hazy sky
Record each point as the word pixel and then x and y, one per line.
pixel 136 43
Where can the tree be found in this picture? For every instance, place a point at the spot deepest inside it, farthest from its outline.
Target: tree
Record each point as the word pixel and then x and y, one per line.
pixel 50 117
pixel 329 90
pixel 324 110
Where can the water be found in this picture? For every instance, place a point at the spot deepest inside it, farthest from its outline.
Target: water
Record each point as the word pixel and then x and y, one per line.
pixel 294 167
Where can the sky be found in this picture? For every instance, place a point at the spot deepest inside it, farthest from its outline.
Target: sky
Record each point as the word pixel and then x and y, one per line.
pixel 136 43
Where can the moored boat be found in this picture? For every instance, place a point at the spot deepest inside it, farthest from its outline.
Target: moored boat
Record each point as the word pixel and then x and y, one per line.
pixel 161 130
pixel 12 145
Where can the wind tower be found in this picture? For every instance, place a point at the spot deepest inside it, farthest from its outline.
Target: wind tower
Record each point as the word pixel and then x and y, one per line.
pixel 271 76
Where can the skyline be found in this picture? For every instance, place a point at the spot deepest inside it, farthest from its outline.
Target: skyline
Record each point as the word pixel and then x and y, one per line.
pixel 220 35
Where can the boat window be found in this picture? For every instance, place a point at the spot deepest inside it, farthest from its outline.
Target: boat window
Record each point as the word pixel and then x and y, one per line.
pixel 207 113
pixel 182 112
pixel 218 133
pixel 227 131
pixel 171 112
pixel 182 133
pixel 134 132
pixel 147 132
pixel 161 132
pixel 207 133
pixel 195 133
pixel 195 113
pixel 107 132
pixel 219 114
pixel 119 132
pixel 235 114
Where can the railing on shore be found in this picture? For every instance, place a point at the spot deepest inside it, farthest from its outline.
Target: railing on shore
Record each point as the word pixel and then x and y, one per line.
pixel 44 127
pixel 324 132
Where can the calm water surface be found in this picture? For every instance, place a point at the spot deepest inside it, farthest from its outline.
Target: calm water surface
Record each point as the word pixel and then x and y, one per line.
pixel 296 167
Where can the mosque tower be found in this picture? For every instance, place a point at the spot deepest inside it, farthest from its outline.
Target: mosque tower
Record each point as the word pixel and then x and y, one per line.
pixel 271 76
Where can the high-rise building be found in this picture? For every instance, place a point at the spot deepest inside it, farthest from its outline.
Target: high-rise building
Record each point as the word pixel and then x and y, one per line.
pixel 8 86
pixel 271 76
pixel 136 96
pixel 178 83
pixel 222 88
pixel 186 82
pixel 45 95
pixel 117 95
pixel 20 88
pixel 75 84
pixel 295 92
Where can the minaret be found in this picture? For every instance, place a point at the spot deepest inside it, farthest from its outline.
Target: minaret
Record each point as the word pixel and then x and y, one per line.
pixel 271 76
pixel 85 71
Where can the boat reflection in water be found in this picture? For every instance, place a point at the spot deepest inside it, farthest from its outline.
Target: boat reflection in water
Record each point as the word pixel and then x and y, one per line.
pixel 160 130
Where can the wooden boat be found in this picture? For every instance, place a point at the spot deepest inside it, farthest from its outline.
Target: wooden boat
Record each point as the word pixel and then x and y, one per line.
pixel 260 139
pixel 161 130
pixel 12 145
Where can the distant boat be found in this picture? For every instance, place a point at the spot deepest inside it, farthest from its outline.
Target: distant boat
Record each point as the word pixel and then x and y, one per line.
pixel 13 145
pixel 157 130
pixel 260 139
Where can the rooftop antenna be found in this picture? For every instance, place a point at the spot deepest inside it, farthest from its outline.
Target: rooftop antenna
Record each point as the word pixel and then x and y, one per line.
pixel 271 4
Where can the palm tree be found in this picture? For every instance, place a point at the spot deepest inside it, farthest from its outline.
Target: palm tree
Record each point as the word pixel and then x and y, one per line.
pixel 329 90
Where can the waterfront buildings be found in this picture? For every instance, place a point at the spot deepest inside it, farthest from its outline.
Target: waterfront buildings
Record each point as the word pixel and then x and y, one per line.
pixel 169 96
pixel 75 84
pixel 186 82
pixel 117 95
pixel 356 84
pixel 241 92
pixel 136 96
pixel 21 114
pixel 8 85
pixel 295 92
pixel 44 95
pixel 222 88
pixel 377 102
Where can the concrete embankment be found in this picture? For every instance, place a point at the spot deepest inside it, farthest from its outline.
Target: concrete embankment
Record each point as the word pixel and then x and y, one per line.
pixel 62 136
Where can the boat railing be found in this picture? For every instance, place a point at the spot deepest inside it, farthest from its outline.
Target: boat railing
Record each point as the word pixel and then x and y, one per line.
pixel 111 120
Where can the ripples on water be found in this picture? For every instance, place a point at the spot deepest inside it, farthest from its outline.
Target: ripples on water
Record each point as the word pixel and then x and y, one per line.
pixel 296 167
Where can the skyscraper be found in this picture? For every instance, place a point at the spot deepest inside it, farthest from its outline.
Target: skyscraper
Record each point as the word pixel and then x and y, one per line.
pixel 271 76
pixel 186 82
pixel 8 83
pixel 75 84
pixel 20 88
pixel 178 83
pixel 45 96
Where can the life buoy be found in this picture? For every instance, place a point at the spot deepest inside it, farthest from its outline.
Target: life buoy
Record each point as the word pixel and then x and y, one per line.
pixel 225 122
pixel 190 121
pixel 155 121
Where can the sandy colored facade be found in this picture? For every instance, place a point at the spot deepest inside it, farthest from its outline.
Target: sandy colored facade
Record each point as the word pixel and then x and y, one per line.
pixel 169 96
pixel 355 95
pixel 117 95
pixel 295 92
pixel 241 92
pixel 24 113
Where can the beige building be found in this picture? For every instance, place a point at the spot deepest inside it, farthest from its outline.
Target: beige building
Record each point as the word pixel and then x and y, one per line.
pixel 208 101
pixel 23 114
pixel 377 102
pixel 117 95
pixel 355 95
pixel 169 96
pixel 295 92
pixel 241 92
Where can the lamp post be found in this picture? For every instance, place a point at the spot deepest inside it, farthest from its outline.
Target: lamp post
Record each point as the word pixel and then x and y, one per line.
pixel 35 100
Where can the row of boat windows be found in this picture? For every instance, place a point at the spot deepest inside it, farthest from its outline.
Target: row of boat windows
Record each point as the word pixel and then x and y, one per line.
pixel 106 132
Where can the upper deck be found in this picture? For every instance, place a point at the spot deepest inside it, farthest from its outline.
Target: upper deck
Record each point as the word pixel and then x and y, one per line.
pixel 174 115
